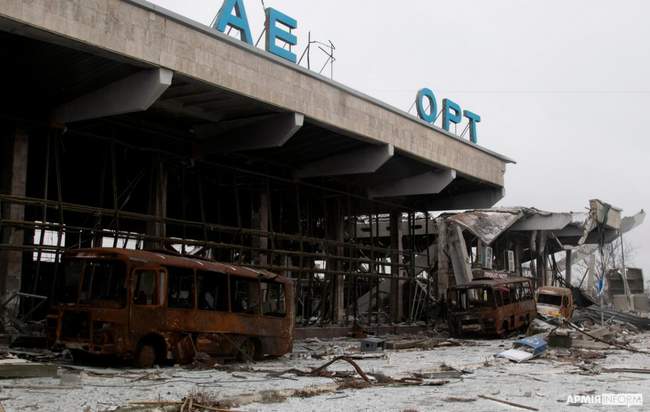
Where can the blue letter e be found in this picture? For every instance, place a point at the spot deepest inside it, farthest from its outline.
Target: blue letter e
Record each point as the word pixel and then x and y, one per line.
pixel 274 33
pixel 237 21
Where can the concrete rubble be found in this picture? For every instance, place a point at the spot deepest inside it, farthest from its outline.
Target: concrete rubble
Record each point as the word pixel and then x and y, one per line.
pixel 335 374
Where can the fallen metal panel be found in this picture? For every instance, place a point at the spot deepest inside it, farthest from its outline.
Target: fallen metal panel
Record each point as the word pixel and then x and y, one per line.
pixel 488 225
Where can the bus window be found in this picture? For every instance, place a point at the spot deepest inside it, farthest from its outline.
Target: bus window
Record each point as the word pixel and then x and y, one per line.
pixel 474 298
pixel 244 295
pixel 273 299
pixel 180 293
pixel 499 296
pixel 104 284
pixel 71 278
pixel 515 292
pixel 148 287
pixel 505 296
pixel 528 293
pixel 213 291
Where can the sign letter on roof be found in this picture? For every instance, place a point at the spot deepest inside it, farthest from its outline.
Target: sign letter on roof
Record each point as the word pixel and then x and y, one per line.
pixel 274 33
pixel 237 21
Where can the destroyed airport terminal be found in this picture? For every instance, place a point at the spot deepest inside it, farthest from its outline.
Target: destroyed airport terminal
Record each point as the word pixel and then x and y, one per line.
pixel 157 147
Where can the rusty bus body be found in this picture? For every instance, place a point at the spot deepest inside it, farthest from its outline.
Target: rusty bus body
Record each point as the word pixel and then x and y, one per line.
pixel 555 302
pixel 154 307
pixel 491 307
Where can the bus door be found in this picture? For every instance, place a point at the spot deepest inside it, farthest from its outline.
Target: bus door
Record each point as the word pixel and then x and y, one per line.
pixel 147 300
pixel 504 302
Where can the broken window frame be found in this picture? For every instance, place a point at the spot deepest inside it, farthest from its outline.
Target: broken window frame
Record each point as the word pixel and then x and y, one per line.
pixel 264 293
pixel 51 240
pixel 159 289
pixel 90 299
pixel 252 311
pixel 199 291
pixel 173 271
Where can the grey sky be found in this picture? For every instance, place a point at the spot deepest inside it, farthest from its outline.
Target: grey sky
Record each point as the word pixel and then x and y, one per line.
pixel 562 86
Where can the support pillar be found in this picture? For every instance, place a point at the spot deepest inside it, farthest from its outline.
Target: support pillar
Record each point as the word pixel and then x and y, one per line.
pixel 157 204
pixel 541 259
pixel 443 260
pixel 569 264
pixel 397 273
pixel 260 221
pixel 14 150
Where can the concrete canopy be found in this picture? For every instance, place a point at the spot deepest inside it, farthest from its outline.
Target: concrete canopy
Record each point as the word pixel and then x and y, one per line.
pixel 223 91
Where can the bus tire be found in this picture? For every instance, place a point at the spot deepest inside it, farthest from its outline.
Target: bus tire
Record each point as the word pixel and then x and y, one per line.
pixel 146 356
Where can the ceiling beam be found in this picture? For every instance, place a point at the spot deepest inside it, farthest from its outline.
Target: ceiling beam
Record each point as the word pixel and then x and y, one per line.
pixel 480 199
pixel 270 132
pixel 135 93
pixel 361 161
pixel 425 184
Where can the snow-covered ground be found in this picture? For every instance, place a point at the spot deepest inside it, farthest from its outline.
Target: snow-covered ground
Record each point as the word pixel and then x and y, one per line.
pixel 545 383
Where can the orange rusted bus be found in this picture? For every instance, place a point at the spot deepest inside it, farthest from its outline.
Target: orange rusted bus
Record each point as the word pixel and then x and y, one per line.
pixel 491 307
pixel 154 307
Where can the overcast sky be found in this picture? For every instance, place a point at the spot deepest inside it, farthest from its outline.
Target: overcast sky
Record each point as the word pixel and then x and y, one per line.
pixel 563 87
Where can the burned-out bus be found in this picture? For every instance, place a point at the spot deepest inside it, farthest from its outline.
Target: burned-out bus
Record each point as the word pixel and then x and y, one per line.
pixel 153 307
pixel 491 307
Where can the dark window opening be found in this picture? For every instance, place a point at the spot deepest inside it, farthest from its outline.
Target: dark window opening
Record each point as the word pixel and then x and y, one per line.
pixel 104 284
pixel 147 286
pixel 553 300
pixel 273 303
pixel 213 291
pixel 180 288
pixel 244 295
pixel 72 270
pixel 474 298
pixel 504 294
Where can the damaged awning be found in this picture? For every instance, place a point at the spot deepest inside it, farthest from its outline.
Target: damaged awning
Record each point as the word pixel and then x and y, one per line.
pixel 488 225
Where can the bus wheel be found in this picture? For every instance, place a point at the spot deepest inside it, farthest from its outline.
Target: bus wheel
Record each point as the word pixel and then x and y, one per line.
pixel 146 356
pixel 247 351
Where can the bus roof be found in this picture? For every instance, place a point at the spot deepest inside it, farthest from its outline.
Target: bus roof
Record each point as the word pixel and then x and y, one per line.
pixel 491 282
pixel 169 259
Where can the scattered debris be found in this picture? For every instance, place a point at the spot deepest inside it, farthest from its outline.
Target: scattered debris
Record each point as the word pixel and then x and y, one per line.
pixel 516 405
pixel 372 345
pixel 459 399
pixel 559 338
pixel 525 349
pixel 20 368
pixel 425 344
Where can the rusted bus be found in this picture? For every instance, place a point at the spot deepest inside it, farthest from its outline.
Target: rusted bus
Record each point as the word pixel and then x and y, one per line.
pixel 152 307
pixel 491 307
pixel 555 302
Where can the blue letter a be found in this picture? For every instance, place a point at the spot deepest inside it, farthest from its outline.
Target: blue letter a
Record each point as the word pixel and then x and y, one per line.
pixel 237 21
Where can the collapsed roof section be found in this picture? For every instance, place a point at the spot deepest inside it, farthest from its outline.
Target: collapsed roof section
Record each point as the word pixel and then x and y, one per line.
pixel 600 222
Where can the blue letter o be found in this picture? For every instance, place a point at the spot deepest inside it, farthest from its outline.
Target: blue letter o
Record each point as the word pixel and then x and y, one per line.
pixel 429 117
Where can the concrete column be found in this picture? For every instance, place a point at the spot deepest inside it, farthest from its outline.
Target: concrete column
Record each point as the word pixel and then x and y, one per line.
pixel 157 203
pixel 569 264
pixel 14 149
pixel 339 283
pixel 336 231
pixel 541 258
pixel 260 221
pixel 397 273
pixel 443 260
